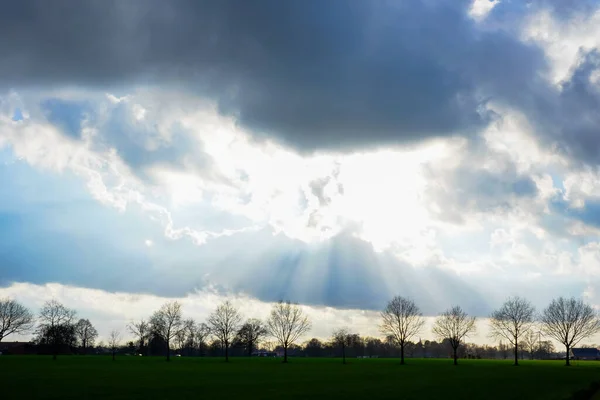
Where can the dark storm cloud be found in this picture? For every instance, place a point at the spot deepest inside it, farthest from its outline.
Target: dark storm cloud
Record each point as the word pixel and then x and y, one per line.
pixel 565 117
pixel 317 75
pixel 571 119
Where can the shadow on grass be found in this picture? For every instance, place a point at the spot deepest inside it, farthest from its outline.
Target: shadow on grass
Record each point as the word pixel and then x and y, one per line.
pixel 588 393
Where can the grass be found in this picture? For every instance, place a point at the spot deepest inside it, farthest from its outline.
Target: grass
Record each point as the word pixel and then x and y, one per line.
pixel 97 377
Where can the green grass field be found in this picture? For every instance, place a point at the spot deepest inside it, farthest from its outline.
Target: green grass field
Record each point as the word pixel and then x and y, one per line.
pixel 97 377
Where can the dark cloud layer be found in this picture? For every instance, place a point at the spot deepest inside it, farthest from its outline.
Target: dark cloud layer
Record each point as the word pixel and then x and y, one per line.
pixel 315 74
pixel 571 118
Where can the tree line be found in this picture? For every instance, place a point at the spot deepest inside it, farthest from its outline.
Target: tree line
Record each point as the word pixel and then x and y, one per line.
pixel 566 320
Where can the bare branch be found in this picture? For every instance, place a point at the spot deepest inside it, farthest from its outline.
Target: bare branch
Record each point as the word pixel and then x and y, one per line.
pixel 251 333
pixel 114 340
pixel 568 321
pixel 56 325
pixel 141 331
pixel 54 314
pixel 224 323
pixel 85 333
pixel 342 338
pixel 454 325
pixel 514 319
pixel 287 323
pixel 167 323
pixel 401 320
pixel 14 318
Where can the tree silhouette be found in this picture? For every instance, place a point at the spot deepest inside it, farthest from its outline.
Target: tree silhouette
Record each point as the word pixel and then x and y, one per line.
pixel 342 338
pixel 85 333
pixel 514 319
pixel 166 323
pixel 141 330
pixel 201 333
pixel 530 342
pixel 224 323
pixel 454 325
pixel 251 333
pixel 114 340
pixel 56 325
pixel 14 318
pixel 568 321
pixel 286 324
pixel 401 321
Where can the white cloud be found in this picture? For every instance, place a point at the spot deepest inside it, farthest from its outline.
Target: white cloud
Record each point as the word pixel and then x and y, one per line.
pixel 581 186
pixel 377 194
pixel 563 40
pixel 396 199
pixel 481 8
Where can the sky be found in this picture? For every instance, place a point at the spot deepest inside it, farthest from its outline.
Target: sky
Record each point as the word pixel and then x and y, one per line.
pixel 335 154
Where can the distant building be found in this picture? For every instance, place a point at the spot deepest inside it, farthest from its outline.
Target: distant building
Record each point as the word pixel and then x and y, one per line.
pixel 585 353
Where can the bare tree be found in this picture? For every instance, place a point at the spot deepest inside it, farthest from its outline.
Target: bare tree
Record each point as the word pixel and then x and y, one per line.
pixel 401 320
pixel 14 318
pixel 454 325
pixel 342 338
pixel 141 331
pixel 251 333
pixel 167 323
pixel 503 350
pixel 269 345
pixel 180 339
pixel 202 332
pixel 85 333
pixel 568 321
pixel 530 342
pixel 224 323
pixel 189 332
pixel 114 339
pixel 286 324
pixel 56 324
pixel 514 319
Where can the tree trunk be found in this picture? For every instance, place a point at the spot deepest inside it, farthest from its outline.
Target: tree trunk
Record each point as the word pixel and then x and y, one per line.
pixel 54 348
pixel 402 353
pixel 250 349
pixel 168 351
pixel 285 354
pixel 455 355
pixel 343 355
pixel 568 364
pixel 113 355
pixel 516 354
pixel 226 351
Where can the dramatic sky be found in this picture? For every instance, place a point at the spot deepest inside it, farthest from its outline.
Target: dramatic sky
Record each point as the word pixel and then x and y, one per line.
pixel 332 153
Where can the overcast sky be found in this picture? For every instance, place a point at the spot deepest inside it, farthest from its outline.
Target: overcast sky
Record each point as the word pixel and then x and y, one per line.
pixel 335 154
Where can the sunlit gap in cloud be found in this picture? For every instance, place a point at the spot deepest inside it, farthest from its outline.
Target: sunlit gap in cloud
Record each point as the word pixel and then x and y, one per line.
pixel 337 229
pixel 377 194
